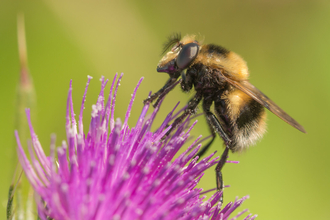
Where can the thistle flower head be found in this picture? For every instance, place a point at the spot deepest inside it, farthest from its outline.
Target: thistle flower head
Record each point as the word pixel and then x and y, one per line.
pixel 118 172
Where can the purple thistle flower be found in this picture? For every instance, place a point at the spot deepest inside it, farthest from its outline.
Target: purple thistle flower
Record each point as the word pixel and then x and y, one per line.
pixel 117 172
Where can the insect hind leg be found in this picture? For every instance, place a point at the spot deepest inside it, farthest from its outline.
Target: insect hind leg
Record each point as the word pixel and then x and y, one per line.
pixel 216 127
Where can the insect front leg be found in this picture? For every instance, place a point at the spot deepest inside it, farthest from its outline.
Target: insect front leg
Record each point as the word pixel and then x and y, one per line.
pixel 187 81
pixel 169 85
pixel 167 90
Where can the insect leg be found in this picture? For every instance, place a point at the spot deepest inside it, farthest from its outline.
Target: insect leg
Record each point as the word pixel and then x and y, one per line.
pixel 167 90
pixel 170 82
pixel 218 174
pixel 216 127
pixel 187 79
pixel 206 147
pixel 192 104
pixel 206 107
pixel 213 121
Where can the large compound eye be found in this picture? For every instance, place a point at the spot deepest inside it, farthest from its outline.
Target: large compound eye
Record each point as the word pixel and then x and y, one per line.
pixel 187 54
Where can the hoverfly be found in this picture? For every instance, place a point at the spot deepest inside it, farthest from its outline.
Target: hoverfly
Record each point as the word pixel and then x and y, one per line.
pixel 219 77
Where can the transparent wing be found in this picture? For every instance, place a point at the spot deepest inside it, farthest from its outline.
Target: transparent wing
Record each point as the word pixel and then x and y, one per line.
pixel 257 95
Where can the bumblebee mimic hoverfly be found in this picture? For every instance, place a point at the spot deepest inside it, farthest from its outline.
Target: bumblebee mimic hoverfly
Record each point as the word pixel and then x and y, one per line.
pixel 219 77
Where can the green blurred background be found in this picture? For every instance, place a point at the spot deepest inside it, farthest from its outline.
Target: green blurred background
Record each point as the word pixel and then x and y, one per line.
pixel 285 42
